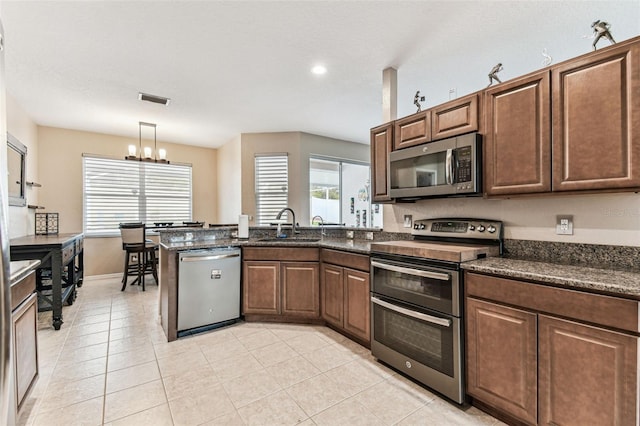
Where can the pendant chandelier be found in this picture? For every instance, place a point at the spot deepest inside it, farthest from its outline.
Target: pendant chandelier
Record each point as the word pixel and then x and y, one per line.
pixel 159 155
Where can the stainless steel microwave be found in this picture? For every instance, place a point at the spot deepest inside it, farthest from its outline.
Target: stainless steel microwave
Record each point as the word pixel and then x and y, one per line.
pixel 448 167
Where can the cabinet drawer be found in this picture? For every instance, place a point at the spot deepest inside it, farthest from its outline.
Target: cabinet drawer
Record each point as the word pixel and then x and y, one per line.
pixel 350 260
pixel 22 289
pixel 455 117
pixel 412 130
pixel 68 253
pixel 608 311
pixel 298 254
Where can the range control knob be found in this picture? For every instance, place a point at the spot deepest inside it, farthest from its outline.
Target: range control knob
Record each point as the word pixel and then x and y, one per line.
pixel 481 228
pixel 422 226
pixel 491 229
pixel 416 226
pixel 472 228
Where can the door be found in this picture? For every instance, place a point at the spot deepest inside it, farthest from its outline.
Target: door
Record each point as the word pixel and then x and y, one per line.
pixel 502 358
pixel 518 136
pixel 455 117
pixel 332 282
pixel 261 287
pixel 413 130
pixel 357 303
pixel 300 289
pixel 596 121
pixel 587 375
pixel 381 139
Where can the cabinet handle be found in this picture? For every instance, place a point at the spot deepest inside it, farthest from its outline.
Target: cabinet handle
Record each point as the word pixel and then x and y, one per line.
pixel 409 271
pixel 413 314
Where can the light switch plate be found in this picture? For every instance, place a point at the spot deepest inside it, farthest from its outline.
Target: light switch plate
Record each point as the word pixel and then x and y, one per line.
pixel 349 234
pixel 564 224
pixel 408 221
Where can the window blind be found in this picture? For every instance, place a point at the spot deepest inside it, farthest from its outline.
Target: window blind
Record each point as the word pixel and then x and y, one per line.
pixel 117 191
pixel 272 186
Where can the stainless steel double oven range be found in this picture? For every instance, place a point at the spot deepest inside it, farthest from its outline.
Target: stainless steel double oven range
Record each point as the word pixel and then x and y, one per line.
pixel 417 298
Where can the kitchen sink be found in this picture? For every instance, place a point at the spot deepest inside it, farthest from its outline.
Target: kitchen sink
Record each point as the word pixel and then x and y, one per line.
pixel 297 240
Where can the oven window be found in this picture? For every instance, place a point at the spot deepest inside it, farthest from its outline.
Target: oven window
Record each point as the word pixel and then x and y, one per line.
pixel 427 343
pixel 423 291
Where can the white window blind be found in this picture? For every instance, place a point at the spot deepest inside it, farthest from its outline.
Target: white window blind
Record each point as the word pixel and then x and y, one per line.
pixel 117 191
pixel 272 186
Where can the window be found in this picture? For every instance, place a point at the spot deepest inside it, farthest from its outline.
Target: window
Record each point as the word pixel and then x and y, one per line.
pixel 339 193
pixel 117 191
pixel 272 186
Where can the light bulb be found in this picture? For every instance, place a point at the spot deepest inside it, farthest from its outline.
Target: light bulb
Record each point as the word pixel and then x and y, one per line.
pixel 147 152
pixel 132 150
pixel 162 153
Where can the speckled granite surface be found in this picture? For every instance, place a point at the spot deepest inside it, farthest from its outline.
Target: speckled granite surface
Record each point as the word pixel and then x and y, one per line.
pixel 620 282
pixel 356 246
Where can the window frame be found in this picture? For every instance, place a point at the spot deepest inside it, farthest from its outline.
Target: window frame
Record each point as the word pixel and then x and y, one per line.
pixel 261 218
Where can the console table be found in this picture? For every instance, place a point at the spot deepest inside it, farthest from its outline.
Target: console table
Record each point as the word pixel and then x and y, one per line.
pixel 63 256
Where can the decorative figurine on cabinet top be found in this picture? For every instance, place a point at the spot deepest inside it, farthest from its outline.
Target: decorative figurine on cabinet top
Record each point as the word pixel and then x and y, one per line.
pixel 601 29
pixel 493 74
pixel 417 99
pixel 547 58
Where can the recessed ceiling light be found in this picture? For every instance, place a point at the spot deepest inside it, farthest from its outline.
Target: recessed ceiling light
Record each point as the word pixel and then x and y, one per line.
pixel 319 70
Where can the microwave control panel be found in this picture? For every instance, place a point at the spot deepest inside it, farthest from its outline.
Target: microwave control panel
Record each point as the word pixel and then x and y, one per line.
pixel 464 164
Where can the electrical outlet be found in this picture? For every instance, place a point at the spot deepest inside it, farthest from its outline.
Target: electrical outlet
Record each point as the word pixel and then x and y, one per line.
pixel 349 234
pixel 368 236
pixel 564 225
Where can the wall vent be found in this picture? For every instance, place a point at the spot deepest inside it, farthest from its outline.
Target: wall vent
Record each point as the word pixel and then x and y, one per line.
pixel 153 98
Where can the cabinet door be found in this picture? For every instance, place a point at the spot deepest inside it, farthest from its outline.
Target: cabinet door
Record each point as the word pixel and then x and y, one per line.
pixel 261 287
pixel 517 145
pixel 596 121
pixel 300 289
pixel 455 117
pixel 357 319
pixel 412 130
pixel 25 349
pixel 381 139
pixel 501 358
pixel 588 375
pixel 332 282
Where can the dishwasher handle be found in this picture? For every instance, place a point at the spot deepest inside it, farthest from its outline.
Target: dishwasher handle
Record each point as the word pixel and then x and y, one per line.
pixel 208 257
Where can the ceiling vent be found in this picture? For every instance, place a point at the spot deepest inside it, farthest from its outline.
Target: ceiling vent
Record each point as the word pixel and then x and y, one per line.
pixel 153 98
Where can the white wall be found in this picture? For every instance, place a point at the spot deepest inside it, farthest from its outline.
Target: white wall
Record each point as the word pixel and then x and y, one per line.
pixel 612 219
pixel 230 181
pixel 19 124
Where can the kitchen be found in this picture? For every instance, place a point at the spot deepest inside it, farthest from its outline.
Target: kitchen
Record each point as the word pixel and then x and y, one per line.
pixel 527 218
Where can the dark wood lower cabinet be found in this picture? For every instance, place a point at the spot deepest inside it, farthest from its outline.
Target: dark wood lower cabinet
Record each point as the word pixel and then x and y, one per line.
pixel 502 358
pixel 300 289
pixel 332 279
pixel 261 292
pixel 529 361
pixel 587 375
pixel 25 346
pixel 357 319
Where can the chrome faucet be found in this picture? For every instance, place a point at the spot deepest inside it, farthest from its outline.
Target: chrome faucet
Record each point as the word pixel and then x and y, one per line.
pixel 293 219
pixel 322 232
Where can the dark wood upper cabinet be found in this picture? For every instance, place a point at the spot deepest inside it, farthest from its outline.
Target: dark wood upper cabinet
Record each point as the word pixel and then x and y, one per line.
pixel 517 144
pixel 596 120
pixel 455 117
pixel 381 144
pixel 412 130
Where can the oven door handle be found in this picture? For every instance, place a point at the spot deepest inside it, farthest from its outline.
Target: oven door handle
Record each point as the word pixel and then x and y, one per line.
pixel 409 271
pixel 417 315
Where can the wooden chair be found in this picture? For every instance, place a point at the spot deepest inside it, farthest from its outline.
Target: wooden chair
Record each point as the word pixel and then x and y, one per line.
pixel 134 242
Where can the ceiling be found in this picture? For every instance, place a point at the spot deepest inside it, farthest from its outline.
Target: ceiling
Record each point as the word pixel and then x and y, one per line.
pixel 234 67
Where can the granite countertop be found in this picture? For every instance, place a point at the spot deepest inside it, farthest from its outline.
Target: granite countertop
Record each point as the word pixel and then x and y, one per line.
pixel 20 269
pixel 619 282
pixel 356 246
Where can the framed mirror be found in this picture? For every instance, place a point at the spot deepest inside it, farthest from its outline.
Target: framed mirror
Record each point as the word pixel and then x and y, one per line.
pixel 16 164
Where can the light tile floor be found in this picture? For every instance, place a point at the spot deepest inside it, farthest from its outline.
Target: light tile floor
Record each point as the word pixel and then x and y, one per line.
pixel 111 364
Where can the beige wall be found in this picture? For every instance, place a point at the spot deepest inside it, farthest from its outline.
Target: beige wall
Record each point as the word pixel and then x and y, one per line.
pixel 60 172
pixel 299 146
pixel 19 124
pixel 598 219
pixel 230 181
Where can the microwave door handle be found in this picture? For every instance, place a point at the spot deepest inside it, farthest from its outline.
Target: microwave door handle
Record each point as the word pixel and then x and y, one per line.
pixel 409 271
pixel 413 314
pixel 449 167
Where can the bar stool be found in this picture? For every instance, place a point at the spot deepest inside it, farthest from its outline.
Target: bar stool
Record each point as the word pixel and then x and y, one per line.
pixel 134 242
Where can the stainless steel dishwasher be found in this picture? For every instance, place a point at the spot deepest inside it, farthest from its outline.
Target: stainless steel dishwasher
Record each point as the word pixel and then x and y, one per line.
pixel 208 289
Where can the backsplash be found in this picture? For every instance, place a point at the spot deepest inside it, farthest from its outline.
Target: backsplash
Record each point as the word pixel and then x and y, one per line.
pixel 591 255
